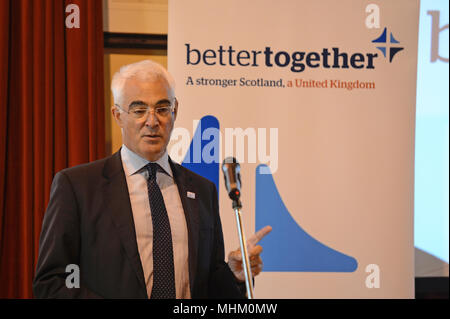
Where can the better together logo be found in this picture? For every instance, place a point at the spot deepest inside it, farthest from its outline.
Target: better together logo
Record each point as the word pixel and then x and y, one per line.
pixel 389 46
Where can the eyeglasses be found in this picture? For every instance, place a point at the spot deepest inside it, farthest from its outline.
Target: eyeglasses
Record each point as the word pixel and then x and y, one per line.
pixel 138 112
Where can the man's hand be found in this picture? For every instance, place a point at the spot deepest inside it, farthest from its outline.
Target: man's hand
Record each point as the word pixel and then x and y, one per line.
pixel 256 264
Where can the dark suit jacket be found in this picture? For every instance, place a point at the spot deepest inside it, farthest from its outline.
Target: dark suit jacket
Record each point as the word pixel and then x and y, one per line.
pixel 89 223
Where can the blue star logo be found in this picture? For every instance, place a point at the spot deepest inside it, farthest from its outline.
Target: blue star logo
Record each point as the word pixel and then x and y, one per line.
pixel 389 46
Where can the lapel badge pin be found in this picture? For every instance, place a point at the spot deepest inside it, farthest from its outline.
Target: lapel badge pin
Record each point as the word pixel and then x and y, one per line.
pixel 191 195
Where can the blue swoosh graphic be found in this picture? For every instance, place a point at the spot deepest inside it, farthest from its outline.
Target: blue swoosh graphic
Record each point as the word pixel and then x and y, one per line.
pixel 288 247
pixel 204 142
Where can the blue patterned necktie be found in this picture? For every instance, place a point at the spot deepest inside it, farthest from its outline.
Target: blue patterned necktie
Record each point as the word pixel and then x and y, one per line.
pixel 163 268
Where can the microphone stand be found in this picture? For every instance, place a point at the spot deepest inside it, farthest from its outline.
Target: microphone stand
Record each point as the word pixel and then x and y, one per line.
pixel 245 260
pixel 231 172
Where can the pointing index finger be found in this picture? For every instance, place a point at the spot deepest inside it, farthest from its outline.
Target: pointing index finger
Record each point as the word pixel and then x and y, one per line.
pixel 260 234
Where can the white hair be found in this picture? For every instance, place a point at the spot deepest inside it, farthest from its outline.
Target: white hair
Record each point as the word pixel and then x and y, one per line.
pixel 145 70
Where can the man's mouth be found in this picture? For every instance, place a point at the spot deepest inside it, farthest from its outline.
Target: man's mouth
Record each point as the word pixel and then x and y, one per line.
pixel 152 136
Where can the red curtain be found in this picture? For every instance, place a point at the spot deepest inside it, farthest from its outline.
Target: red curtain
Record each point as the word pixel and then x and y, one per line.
pixel 51 117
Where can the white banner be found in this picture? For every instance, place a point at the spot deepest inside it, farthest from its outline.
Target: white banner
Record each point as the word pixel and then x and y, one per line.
pixel 316 100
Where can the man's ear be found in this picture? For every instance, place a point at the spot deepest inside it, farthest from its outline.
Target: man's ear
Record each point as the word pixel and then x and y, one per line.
pixel 117 115
pixel 175 110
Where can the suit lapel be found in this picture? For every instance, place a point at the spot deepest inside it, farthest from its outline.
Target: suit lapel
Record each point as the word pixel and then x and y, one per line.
pixel 117 203
pixel 190 207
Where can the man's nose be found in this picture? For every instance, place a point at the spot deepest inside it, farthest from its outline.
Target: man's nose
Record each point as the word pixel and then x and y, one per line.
pixel 152 119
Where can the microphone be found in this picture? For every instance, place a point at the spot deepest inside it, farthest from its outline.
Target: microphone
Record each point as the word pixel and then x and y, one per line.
pixel 232 175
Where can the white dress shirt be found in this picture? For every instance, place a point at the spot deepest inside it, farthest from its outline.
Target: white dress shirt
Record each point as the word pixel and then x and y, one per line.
pixel 137 176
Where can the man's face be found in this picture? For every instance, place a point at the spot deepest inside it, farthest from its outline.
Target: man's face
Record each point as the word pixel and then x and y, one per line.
pixel 149 135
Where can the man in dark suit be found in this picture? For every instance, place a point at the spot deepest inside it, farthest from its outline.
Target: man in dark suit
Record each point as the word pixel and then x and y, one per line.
pixel 136 224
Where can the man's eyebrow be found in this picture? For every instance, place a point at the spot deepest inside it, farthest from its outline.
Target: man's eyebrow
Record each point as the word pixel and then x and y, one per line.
pixel 142 103
pixel 137 103
pixel 163 101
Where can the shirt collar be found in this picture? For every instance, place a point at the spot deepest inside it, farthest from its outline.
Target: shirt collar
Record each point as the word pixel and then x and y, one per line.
pixel 134 163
